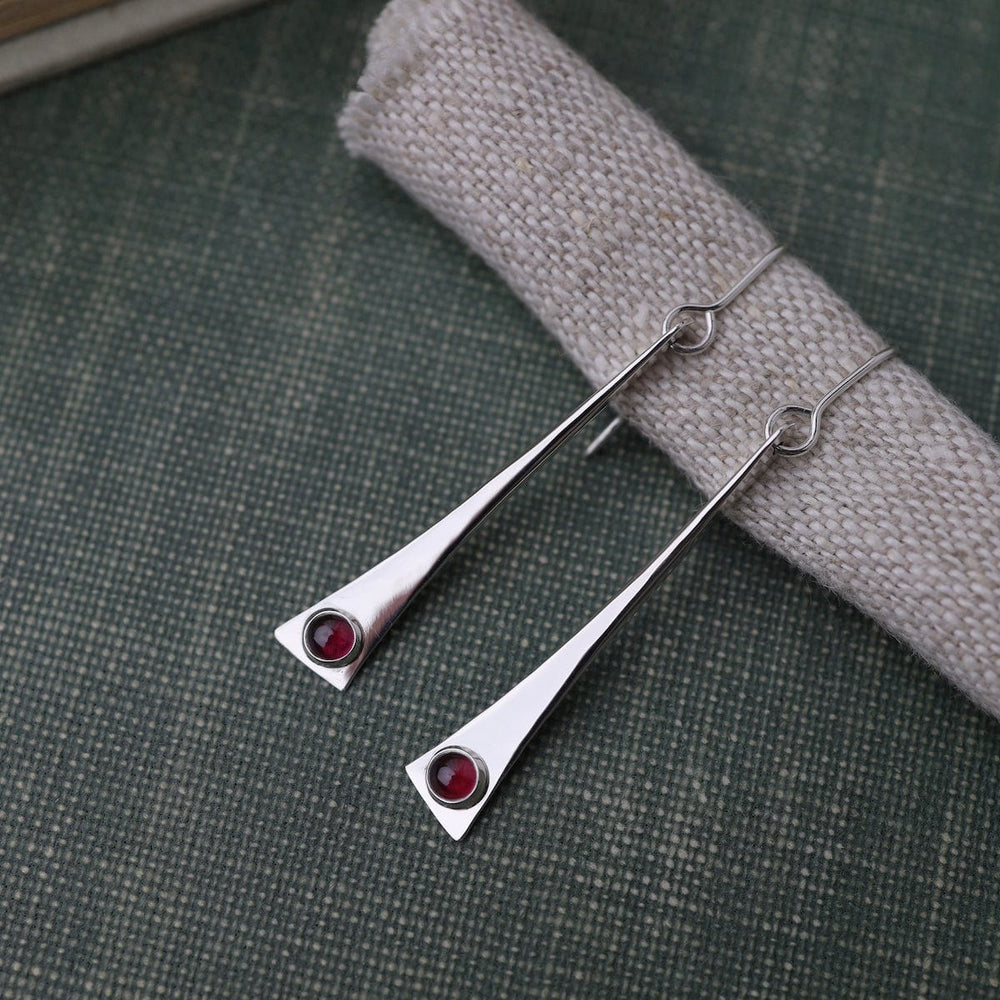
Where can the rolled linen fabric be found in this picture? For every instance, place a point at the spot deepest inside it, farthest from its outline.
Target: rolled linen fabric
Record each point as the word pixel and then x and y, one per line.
pixel 601 223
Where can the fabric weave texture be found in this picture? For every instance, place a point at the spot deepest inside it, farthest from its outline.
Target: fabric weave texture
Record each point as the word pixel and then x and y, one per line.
pixel 239 365
pixel 601 223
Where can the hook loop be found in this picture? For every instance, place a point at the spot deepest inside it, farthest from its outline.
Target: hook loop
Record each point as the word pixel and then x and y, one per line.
pixel 815 413
pixel 773 425
pixel 674 324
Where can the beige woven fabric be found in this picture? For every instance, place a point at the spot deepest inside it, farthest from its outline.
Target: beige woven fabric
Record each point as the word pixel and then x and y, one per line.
pixel 602 223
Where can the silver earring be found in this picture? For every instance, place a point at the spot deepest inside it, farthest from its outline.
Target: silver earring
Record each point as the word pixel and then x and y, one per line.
pixel 337 635
pixel 459 776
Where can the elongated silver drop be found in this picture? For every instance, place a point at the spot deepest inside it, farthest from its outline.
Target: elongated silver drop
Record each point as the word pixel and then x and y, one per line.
pixel 336 636
pixel 459 777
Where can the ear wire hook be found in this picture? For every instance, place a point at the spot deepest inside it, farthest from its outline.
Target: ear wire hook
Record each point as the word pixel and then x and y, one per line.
pixel 460 775
pixel 336 636
pixel 815 413
pixel 672 321
pixel 598 443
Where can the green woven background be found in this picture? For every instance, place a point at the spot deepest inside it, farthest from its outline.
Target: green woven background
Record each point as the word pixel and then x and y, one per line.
pixel 237 367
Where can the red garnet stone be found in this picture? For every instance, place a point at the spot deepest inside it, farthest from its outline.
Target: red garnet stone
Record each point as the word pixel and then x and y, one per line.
pixel 452 776
pixel 330 637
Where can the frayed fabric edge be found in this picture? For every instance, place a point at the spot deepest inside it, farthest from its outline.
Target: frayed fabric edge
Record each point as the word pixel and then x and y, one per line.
pixel 394 46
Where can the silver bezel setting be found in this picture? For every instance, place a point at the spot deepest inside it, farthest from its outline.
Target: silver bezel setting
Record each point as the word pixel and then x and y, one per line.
pixel 482 778
pixel 359 639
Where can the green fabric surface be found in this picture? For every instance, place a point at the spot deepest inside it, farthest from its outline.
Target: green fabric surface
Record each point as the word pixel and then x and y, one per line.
pixel 237 368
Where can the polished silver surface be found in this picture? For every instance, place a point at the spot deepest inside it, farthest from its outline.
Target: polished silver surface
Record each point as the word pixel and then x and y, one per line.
pixel 498 735
pixel 375 599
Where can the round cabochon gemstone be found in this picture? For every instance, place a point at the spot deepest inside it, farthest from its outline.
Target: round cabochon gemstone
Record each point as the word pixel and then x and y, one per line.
pixel 453 776
pixel 330 637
